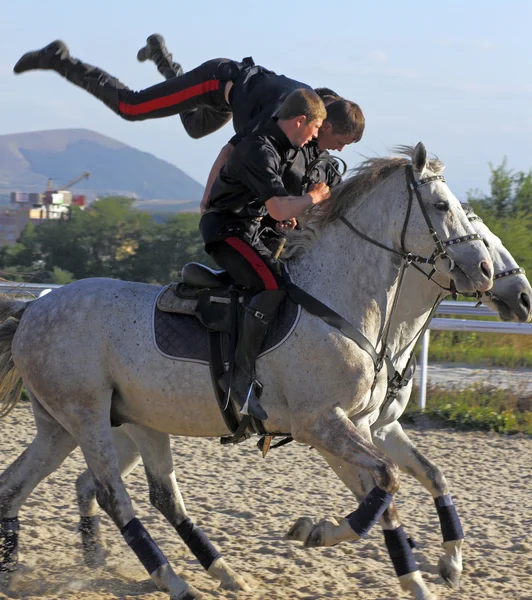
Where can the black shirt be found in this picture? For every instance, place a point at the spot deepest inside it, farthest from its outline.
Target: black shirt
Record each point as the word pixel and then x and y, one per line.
pixel 255 98
pixel 252 175
pixel 325 169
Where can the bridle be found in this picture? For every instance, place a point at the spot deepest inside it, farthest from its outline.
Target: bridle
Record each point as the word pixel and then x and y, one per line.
pixel 440 249
pixel 413 189
pixel 501 274
pixel 396 380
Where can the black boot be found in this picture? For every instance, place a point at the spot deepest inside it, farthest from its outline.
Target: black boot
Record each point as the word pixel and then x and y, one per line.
pixel 56 57
pixel 156 50
pixel 42 59
pixel 257 317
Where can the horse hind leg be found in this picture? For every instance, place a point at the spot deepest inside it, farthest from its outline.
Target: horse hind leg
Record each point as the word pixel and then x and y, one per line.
pixel 393 441
pixel 88 420
pixel 43 456
pixel 166 498
pixel 89 525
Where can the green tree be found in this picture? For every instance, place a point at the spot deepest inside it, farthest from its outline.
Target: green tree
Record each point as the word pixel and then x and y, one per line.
pixel 510 193
pixel 170 245
pixel 507 211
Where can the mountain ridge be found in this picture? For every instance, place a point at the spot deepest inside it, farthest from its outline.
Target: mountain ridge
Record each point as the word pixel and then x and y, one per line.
pixel 28 159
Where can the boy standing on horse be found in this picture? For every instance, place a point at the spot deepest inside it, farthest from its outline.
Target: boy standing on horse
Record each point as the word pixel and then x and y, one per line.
pixel 206 98
pixel 249 187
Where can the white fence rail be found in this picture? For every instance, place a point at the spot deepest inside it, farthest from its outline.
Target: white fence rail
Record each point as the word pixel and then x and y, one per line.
pixel 35 290
pixel 464 309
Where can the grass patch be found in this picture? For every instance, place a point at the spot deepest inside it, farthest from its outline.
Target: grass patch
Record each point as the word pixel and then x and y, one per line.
pixel 478 407
pixel 481 348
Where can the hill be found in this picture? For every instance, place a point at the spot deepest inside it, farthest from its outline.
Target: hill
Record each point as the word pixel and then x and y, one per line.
pixel 28 159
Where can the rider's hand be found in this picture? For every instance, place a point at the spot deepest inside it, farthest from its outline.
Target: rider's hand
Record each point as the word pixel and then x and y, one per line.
pixel 284 225
pixel 319 192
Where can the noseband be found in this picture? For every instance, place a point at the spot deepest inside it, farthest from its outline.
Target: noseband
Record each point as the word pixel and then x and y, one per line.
pixel 439 251
pixel 501 274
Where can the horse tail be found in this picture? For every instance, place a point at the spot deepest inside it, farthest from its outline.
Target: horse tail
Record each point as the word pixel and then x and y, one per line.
pixel 11 384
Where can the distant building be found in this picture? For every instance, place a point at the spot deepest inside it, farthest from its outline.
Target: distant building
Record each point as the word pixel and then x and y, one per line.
pixel 34 208
pixel 12 222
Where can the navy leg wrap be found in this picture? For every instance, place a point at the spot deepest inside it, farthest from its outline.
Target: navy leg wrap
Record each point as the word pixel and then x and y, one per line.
pixel 9 545
pixel 451 528
pixel 147 551
pixel 198 543
pixel 369 511
pixel 400 551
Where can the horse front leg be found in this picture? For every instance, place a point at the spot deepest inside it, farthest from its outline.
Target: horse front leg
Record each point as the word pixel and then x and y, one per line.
pixel 337 436
pixel 329 532
pixel 393 441
pixel 397 543
pixel 166 498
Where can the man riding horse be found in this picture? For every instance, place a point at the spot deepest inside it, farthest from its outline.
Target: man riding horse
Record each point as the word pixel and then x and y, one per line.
pixel 268 169
pixel 249 187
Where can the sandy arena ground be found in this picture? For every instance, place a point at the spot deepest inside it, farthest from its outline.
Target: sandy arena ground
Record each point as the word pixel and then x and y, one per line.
pixel 246 504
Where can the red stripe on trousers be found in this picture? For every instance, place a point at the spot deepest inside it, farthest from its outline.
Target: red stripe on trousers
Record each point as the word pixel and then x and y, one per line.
pixel 171 100
pixel 255 261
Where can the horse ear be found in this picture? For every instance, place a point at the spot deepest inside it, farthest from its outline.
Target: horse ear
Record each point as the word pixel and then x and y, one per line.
pixel 419 160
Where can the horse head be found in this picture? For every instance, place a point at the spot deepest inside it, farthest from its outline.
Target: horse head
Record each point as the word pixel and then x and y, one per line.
pixel 511 294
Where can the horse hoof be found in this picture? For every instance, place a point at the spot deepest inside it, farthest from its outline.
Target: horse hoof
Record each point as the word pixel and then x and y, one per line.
pixel 235 585
pixel 449 574
pixel 228 578
pixel 322 534
pixel 315 538
pixel 190 594
pixel 300 530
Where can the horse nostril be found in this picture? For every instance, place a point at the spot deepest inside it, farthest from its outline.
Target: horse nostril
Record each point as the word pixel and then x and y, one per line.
pixel 524 299
pixel 486 269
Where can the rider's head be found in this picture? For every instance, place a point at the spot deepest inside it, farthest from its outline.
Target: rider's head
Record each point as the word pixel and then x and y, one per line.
pixel 301 115
pixel 327 95
pixel 344 125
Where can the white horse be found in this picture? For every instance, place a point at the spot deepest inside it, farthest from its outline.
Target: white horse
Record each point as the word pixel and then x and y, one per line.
pixel 510 296
pixel 95 362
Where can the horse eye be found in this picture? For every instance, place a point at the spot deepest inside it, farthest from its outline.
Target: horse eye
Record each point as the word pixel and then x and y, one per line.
pixel 442 205
pixel 486 244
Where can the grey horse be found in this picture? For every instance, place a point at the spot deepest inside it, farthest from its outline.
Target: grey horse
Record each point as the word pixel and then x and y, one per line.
pixel 510 297
pixel 95 361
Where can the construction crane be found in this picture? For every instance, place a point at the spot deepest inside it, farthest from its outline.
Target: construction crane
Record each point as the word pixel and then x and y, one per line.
pixel 47 198
pixel 84 175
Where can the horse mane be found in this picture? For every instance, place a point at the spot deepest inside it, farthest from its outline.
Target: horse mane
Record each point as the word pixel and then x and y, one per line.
pixel 468 209
pixel 362 179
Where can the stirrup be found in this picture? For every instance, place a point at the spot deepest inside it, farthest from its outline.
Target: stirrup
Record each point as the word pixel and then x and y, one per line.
pixel 257 411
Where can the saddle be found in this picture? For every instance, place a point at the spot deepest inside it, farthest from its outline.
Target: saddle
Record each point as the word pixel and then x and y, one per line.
pixel 208 302
pixel 204 293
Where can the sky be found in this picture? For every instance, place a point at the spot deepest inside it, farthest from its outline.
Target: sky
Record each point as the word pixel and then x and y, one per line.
pixel 456 75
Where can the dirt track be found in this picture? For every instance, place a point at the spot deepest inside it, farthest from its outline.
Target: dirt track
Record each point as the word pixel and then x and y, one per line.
pixel 459 376
pixel 246 504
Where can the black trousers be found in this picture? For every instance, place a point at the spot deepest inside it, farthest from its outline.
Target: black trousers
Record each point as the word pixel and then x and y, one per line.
pixel 250 266
pixel 203 87
pixel 201 121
